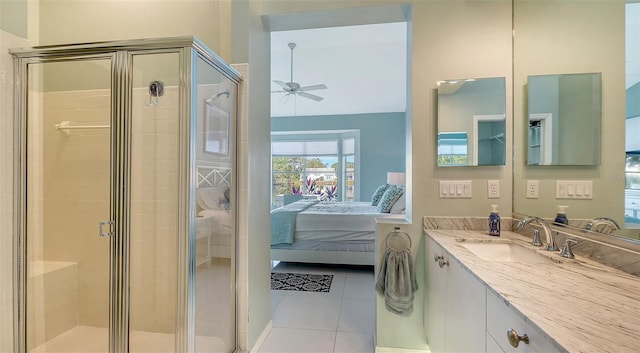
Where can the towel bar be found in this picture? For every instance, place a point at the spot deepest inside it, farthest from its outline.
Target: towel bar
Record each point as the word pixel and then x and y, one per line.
pixel 397 234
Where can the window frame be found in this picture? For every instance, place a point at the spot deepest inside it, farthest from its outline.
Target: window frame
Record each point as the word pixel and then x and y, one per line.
pixel 328 135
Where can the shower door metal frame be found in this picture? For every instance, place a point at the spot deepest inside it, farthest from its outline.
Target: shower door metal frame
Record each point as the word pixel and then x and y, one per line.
pixel 121 54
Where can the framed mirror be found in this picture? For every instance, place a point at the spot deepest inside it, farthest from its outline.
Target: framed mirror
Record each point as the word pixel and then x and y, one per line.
pixel 471 122
pixel 565 113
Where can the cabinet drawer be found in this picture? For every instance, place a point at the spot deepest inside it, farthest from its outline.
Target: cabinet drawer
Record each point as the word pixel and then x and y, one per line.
pixel 492 345
pixel 501 317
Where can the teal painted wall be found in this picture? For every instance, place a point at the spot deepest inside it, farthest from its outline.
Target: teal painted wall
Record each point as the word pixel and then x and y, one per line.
pixel 382 142
pixel 13 17
pixel 633 101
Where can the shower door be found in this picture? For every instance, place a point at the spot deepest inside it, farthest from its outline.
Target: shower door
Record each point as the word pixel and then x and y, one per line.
pixel 102 205
pixel 67 192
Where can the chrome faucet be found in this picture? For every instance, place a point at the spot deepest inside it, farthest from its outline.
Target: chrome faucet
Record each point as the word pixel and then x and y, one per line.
pixel 551 242
pixel 606 224
pixel 566 249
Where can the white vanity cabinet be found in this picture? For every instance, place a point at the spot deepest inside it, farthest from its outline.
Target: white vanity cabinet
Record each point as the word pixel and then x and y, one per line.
pixel 501 318
pixel 455 303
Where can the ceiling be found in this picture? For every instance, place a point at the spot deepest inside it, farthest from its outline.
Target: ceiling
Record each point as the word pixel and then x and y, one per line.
pixel 364 68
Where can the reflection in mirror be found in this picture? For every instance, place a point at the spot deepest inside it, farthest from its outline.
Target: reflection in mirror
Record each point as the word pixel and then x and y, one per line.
pixel 565 113
pixel 632 141
pixel 471 122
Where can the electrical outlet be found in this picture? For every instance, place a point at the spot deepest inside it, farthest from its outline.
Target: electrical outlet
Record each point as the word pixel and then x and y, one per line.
pixel 532 189
pixel 493 189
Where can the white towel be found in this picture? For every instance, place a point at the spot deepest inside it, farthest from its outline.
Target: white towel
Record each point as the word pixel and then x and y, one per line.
pixel 397 281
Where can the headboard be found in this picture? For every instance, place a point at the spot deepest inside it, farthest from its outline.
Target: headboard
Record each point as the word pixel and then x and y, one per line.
pixel 209 176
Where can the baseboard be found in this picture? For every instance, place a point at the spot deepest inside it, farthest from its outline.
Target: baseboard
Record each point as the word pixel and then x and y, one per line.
pixel 400 350
pixel 263 337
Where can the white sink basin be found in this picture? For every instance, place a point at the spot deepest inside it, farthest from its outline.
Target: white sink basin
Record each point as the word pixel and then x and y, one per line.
pixel 506 252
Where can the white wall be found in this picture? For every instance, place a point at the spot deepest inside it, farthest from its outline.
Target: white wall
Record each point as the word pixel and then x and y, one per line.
pixel 80 21
pixel 577 37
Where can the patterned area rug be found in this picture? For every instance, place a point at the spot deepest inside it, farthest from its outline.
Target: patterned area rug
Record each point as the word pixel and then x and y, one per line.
pixel 301 282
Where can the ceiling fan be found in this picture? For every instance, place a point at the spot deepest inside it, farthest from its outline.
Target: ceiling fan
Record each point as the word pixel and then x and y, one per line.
pixel 293 88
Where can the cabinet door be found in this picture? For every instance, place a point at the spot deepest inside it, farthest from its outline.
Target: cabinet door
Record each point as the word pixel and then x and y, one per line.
pixel 466 316
pixel 434 297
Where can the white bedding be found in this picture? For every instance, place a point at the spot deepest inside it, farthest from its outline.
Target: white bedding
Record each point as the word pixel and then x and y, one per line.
pixel 214 223
pixel 339 221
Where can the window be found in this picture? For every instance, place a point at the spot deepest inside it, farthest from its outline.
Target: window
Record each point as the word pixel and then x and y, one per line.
pixel 314 165
pixel 452 149
pixel 632 188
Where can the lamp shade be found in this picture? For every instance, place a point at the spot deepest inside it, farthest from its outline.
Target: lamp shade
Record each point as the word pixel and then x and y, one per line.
pixel 395 178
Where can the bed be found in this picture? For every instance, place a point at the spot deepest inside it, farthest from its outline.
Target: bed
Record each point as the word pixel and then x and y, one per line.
pixel 326 232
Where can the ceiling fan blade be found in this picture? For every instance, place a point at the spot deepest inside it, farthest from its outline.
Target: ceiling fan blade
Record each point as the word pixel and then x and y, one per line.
pixel 280 83
pixel 312 88
pixel 285 99
pixel 310 96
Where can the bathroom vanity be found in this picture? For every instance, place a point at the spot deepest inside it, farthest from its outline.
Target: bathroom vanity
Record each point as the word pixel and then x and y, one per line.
pixel 479 289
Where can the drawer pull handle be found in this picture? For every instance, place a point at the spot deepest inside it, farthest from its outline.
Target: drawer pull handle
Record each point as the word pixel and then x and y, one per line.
pixel 437 257
pixel 442 263
pixel 514 338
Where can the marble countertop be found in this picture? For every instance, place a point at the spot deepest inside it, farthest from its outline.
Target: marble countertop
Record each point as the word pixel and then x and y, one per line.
pixel 582 305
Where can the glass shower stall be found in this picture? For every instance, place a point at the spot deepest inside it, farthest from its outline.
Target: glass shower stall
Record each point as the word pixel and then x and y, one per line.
pixel 125 198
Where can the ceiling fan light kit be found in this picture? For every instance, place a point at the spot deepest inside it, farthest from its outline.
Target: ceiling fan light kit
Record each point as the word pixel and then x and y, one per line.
pixel 294 88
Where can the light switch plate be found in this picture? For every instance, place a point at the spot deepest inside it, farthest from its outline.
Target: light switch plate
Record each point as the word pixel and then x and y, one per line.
pixel 574 189
pixel 455 189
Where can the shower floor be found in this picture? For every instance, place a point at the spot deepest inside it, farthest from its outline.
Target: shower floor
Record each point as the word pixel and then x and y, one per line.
pixel 87 339
pixel 213 322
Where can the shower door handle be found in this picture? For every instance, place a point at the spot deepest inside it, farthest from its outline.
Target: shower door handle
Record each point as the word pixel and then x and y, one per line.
pixel 109 232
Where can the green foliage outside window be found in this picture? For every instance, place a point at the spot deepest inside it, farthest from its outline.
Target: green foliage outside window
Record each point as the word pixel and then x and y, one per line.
pixel 452 159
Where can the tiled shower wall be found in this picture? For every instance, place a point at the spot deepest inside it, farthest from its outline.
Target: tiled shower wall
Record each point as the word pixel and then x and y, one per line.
pixel 154 206
pixel 76 198
pixel 7 41
pixel 70 180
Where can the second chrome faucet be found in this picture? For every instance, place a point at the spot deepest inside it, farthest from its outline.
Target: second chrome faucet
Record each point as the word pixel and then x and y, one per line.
pixel 551 242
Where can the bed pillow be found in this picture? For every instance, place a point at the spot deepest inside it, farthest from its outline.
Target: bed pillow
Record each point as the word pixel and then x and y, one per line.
pixel 390 197
pixel 215 198
pixel 377 195
pixel 399 205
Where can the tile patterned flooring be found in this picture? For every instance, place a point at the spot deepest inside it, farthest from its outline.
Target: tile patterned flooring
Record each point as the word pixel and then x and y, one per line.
pixel 341 321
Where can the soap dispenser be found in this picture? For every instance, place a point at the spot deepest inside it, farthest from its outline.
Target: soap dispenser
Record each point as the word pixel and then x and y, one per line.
pixel 561 215
pixel 494 221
